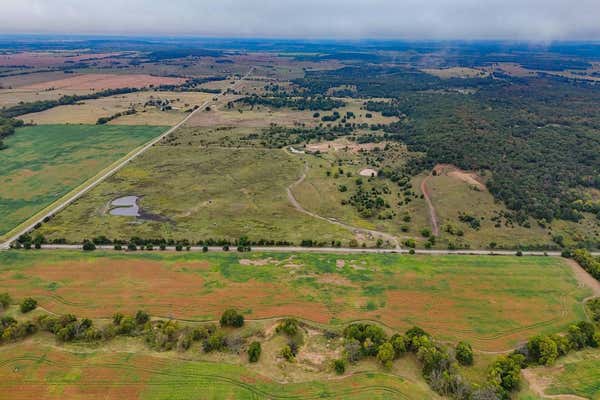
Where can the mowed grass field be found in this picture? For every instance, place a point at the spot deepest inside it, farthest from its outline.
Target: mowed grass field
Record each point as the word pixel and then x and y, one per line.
pixel 34 371
pixel 493 302
pixel 196 193
pixel 43 163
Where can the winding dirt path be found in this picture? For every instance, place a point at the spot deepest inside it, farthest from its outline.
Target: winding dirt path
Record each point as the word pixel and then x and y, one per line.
pixel 435 228
pixel 382 235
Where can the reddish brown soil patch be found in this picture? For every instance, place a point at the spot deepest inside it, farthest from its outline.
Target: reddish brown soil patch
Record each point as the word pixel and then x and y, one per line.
pixel 105 81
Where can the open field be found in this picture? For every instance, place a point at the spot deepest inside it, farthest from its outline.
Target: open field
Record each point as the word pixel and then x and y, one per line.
pixel 43 163
pixel 11 97
pixel 262 116
pixel 213 192
pixel 493 302
pixel 88 112
pixel 105 81
pixel 34 371
pixel 574 376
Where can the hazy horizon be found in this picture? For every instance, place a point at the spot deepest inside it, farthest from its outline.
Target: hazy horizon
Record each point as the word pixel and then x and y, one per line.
pixel 508 20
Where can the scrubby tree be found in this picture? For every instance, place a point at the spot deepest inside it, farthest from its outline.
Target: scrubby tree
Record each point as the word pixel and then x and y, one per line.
pixel 254 351
pixel 339 366
pixel 232 318
pixel 28 304
pixel 141 317
pixel 5 300
pixel 542 350
pixel 399 343
pixel 464 353
pixel 287 353
pixel 385 355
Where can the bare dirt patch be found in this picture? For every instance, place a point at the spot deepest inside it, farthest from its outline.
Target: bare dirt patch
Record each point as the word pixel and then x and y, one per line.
pixel 368 172
pixel 343 144
pixel 469 178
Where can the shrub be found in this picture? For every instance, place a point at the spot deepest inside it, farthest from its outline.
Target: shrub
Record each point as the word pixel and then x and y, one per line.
pixel 88 245
pixel 289 326
pixel 141 317
pixel 214 342
pixel 28 304
pixel 5 300
pixel 232 318
pixel 339 366
pixel 254 351
pixel 464 353
pixel 117 317
pixel 287 353
pixel 131 247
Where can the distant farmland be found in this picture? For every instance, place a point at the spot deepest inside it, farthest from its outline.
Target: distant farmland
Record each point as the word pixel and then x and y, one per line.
pixel 43 163
pixel 493 302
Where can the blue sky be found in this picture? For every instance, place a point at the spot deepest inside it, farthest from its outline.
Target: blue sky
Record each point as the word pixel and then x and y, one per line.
pixel 539 20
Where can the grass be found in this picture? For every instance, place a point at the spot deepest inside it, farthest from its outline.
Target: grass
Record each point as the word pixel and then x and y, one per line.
pixel 33 371
pixel 198 193
pixel 43 163
pixel 493 302
pixel 89 111
pixel 580 376
pixel 451 196
pixel 576 374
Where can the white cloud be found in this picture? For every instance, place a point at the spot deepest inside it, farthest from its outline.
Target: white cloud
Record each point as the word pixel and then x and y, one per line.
pixel 409 19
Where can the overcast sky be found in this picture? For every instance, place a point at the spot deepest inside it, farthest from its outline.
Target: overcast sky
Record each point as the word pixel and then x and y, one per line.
pixel 540 20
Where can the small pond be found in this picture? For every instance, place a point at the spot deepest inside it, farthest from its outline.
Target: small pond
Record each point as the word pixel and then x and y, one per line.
pixel 125 206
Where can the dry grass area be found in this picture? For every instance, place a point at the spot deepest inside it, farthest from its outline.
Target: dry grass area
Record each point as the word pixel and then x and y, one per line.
pixel 342 144
pixel 106 81
pixel 11 97
pixel 456 72
pixel 89 111
pixel 20 81
pixel 261 116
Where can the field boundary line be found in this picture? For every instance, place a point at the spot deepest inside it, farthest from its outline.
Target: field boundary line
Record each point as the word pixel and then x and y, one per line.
pixel 100 177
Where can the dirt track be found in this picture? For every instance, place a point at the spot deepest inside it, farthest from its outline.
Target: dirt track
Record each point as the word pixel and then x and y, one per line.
pixel 435 228
pixel 385 236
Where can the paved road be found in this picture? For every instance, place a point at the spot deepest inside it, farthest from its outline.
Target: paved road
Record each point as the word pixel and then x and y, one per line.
pixel 72 197
pixel 336 250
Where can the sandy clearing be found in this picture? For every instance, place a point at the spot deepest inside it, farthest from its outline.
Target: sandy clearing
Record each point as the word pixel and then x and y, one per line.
pixel 343 144
pixel 105 81
pixel 452 171
pixel 368 172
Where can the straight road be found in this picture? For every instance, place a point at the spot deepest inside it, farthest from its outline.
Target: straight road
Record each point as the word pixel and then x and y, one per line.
pixel 335 250
pixel 70 198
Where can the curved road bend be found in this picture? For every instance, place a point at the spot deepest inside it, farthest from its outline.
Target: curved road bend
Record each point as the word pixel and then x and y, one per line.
pixel 121 164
